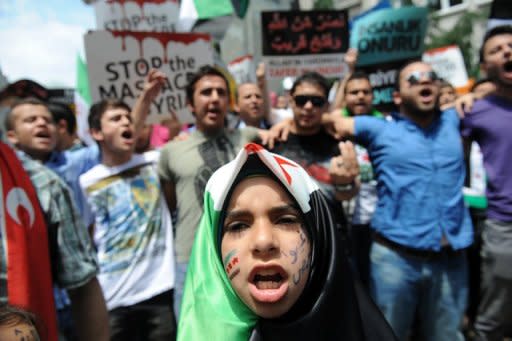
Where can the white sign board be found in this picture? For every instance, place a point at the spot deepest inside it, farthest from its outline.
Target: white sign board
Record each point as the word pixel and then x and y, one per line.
pixel 242 69
pixel 118 62
pixel 329 65
pixel 448 63
pixel 142 15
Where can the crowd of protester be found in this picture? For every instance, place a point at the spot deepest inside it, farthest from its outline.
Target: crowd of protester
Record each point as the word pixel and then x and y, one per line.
pixel 151 230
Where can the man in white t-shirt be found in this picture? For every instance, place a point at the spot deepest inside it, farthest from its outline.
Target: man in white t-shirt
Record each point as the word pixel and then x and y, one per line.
pixel 133 229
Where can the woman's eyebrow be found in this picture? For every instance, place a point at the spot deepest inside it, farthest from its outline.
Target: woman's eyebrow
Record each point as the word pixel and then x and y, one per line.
pixel 233 214
pixel 288 208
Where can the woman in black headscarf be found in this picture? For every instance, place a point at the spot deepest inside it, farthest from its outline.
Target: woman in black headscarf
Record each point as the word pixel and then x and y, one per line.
pixel 267 262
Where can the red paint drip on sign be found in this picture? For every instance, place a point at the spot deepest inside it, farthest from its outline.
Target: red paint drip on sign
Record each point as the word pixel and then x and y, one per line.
pixel 163 37
pixel 140 3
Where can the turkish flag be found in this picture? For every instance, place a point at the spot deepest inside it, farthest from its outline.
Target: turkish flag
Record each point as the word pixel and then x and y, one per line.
pixel 25 236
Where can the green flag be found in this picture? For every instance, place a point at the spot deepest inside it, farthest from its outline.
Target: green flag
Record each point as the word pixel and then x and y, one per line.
pixel 240 7
pixel 211 309
pixel 82 80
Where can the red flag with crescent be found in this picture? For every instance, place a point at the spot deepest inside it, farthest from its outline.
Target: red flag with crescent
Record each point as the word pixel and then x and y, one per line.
pixel 25 238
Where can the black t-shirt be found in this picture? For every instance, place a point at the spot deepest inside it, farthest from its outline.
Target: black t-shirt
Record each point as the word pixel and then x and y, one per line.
pixel 313 153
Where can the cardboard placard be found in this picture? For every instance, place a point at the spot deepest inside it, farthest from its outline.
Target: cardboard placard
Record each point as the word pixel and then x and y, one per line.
pixel 390 34
pixel 448 63
pixel 242 69
pixel 118 62
pixel 295 42
pixel 141 15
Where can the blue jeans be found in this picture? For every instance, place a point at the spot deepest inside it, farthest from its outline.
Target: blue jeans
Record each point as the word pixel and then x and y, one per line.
pixel 495 309
pixel 434 289
pixel 179 284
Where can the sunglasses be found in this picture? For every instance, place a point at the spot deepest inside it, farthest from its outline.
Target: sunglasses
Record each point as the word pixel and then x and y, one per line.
pixel 416 76
pixel 317 101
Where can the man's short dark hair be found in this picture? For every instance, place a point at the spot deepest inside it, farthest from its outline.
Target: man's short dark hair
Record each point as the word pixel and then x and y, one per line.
pixel 98 109
pixel 61 111
pixel 496 31
pixel 205 70
pixel 9 118
pixel 357 75
pixel 311 78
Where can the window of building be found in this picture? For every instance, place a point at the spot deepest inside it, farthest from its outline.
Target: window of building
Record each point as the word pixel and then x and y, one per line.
pixel 440 5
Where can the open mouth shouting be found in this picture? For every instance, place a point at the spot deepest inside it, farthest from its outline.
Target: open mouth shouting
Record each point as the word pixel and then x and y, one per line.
pixel 43 134
pixel 268 284
pixel 426 95
pixel 128 136
pixel 507 68
pixel 213 111
pixel 43 137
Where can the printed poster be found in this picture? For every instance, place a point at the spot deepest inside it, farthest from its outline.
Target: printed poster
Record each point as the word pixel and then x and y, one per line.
pixel 295 42
pixel 142 15
pixel 390 34
pixel 243 69
pixel 118 62
pixel 448 63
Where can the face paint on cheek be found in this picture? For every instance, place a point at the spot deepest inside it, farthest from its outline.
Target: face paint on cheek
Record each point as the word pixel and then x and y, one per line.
pixel 21 335
pixel 231 264
pixel 302 250
pixel 35 337
pixel 299 248
pixel 297 277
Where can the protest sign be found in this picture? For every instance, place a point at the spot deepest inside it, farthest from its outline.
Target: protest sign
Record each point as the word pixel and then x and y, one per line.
pixel 448 63
pixel 118 62
pixel 295 42
pixel 382 78
pixel 390 34
pixel 141 15
pixel 242 69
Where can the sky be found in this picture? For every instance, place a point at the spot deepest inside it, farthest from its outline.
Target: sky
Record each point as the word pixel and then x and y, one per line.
pixel 40 39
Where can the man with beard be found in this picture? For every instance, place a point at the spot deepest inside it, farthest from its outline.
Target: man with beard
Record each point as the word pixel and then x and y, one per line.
pixel 489 123
pixel 420 226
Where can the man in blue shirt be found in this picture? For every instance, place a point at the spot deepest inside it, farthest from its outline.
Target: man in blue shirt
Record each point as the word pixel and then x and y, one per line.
pixel 421 225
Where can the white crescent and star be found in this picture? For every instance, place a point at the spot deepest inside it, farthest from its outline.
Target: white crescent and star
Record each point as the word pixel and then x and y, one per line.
pixel 18 197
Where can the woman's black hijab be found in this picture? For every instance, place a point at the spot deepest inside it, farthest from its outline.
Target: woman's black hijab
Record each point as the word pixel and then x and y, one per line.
pixel 333 305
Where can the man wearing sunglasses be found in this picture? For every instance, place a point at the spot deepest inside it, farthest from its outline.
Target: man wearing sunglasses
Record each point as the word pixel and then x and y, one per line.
pixel 490 124
pixel 421 226
pixel 312 147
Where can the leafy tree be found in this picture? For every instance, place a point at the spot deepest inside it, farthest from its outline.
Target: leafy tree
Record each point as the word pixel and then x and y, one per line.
pixel 460 34
pixel 323 4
